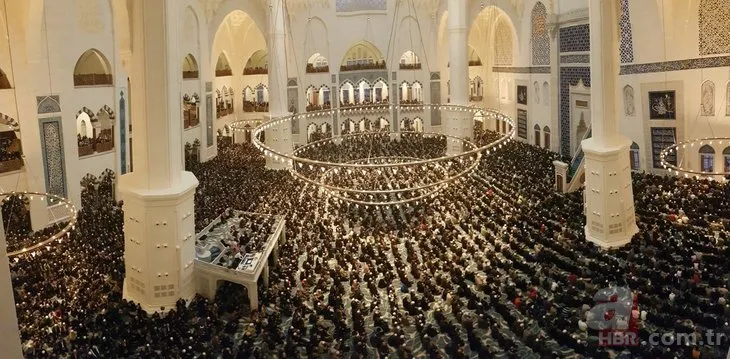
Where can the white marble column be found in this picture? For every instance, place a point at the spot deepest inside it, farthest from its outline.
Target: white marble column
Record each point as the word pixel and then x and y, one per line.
pixel 159 224
pixel 279 136
pixel 10 346
pixel 609 197
pixel 457 123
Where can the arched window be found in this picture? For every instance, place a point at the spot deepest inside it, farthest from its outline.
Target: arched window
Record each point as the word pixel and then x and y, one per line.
pixel 362 56
pixel 537 135
pixel 634 154
pixel 474 59
pixel 503 42
pixel 381 91
pixel 383 124
pixel 363 93
pixel 257 64
pixel 540 37
pixel 92 69
pixel 707 158
pixel 317 63
pixel 222 67
pixel 347 94
pixel 726 158
pixel 410 61
pixel 4 81
pixel 546 133
pixel 418 124
pixel 262 94
pixel 190 67
pixel 714 25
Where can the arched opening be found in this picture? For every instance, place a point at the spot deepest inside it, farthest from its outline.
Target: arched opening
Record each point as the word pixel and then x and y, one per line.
pixel 348 126
pixel 418 124
pixel 317 63
pixel 409 61
pixel 257 64
pixel 4 81
pixel 312 129
pixel 190 67
pixel 380 92
pixel 85 133
pixel 383 124
pixel 222 66
pixel 546 133
pixel 537 135
pixel 479 121
pixel 707 158
pixel 16 217
pixel 10 145
pixel 476 89
pixel 92 69
pixel 190 110
pixel 347 94
pixel 726 159
pixel 318 98
pixel 634 155
pixel 474 59
pixel 362 56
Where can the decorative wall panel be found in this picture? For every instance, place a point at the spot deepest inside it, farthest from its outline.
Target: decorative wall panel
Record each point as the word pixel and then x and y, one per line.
pixel 209 119
pixel 522 123
pixel 626 47
pixel 714 27
pixel 522 70
pixel 661 138
pixel 708 98
pixel 629 101
pixel 572 39
pixel 540 36
pixel 435 99
pixel 503 43
pixel 48 104
pixel 53 158
pixel 676 65
pixel 575 38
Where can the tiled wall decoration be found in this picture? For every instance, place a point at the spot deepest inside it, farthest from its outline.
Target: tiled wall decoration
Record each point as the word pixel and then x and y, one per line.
pixel 629 101
pixel 53 160
pixel 522 123
pixel 435 99
pixel 522 70
pixel 540 36
pixel 572 39
pixel 575 38
pixel 123 130
pixel 626 47
pixel 676 65
pixel 503 43
pixel 575 59
pixel 714 27
pixel 569 76
pixel 48 104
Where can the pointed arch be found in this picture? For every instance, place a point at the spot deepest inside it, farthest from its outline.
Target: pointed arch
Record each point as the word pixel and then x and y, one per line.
pixel 317 63
pixel 363 55
pixel 257 64
pixel 708 98
pixel 540 37
pixel 190 67
pixel 222 66
pixel 93 69
pixel 409 61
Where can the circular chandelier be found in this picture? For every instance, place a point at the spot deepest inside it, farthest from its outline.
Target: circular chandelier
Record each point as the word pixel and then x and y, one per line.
pixel 394 178
pixel 46 240
pixel 674 150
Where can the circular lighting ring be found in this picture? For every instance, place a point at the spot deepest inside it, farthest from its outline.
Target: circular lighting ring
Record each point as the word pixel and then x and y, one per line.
pixel 54 237
pixel 441 185
pixel 291 157
pixel 683 145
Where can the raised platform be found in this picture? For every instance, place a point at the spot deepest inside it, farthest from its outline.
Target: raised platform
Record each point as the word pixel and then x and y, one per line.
pixel 217 258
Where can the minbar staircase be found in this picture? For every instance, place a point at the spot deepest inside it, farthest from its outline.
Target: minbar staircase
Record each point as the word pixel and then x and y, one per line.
pixel 570 177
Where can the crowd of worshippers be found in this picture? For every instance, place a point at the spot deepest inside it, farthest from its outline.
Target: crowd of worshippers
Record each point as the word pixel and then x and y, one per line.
pixel 497 267
pixel 248 234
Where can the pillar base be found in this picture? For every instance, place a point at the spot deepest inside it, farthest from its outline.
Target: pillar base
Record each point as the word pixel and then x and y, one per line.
pixel 159 243
pixel 613 242
pixel 459 124
pixel 608 193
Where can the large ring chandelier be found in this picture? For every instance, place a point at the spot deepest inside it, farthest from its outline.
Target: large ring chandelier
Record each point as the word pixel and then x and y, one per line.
pixel 393 179
pixel 675 149
pixel 66 209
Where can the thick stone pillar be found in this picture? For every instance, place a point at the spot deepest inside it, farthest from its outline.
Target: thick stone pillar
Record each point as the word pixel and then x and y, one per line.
pixel 10 344
pixel 159 224
pixel 279 136
pixel 458 123
pixel 609 197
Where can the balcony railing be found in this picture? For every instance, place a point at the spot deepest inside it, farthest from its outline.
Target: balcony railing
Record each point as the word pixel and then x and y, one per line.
pixel 223 73
pixel 357 67
pixel 416 66
pixel 255 71
pixel 190 74
pixel 311 69
pixel 93 80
